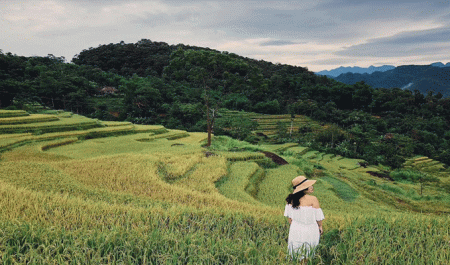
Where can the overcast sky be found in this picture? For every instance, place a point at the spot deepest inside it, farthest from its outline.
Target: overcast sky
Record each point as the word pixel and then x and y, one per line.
pixel 315 34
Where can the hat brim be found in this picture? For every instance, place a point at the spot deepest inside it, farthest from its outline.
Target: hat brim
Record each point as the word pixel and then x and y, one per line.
pixel 304 185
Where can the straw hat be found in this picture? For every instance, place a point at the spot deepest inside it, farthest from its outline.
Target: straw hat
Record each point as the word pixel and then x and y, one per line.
pixel 301 183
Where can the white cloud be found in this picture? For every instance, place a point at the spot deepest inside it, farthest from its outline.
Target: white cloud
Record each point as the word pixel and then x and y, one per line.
pixel 34 16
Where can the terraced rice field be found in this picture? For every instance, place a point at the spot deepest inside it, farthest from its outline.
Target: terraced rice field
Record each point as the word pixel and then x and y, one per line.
pixel 28 119
pixel 267 124
pixel 331 159
pixel 56 125
pixel 237 182
pixel 121 193
pixel 12 113
pixel 240 156
pixel 425 164
pixel 278 147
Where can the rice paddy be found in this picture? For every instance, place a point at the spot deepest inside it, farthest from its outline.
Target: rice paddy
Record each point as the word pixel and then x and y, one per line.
pixel 28 119
pixel 92 192
pixel 238 181
pixel 428 165
pixel 36 126
pixel 12 113
pixel 267 124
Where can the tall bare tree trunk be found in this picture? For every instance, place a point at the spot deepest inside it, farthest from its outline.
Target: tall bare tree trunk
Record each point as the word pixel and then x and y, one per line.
pixel 292 124
pixel 208 123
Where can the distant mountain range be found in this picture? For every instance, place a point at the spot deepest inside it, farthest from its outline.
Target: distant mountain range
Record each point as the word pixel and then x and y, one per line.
pixel 355 69
pixel 368 70
pixel 434 77
pixel 439 64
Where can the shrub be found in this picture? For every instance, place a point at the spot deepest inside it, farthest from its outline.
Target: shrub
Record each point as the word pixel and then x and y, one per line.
pixel 269 107
pixel 239 127
pixel 392 188
pixel 414 176
pixel 410 175
pixel 226 143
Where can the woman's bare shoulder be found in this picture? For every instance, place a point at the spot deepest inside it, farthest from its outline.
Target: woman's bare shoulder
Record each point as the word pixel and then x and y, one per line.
pixel 310 197
pixel 313 201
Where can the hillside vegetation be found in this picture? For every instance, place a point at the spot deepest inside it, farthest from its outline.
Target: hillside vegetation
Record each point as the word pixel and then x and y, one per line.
pixel 177 86
pixel 75 190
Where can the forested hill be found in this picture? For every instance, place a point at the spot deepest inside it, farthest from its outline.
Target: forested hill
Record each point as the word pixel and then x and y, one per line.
pixel 143 58
pixel 147 57
pixel 423 78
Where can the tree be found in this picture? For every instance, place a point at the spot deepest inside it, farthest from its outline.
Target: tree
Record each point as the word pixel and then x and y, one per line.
pixel 426 179
pixel 210 71
pixel 362 98
pixel 268 107
pixel 187 114
pixel 239 127
pixel 330 135
pixel 11 78
pixel 281 130
pixel 237 102
pixel 415 176
pixel 304 107
pixel 141 98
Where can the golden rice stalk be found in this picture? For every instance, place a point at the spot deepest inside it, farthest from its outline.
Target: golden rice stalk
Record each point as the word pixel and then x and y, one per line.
pixel 33 118
pixel 149 128
pixel 178 165
pixel 115 123
pixel 240 156
pixel 96 132
pixel 50 126
pixel 194 138
pixel 57 143
pixel 277 184
pixel 238 180
pixel 12 113
pixel 206 173
pixel 15 135
pixel 6 142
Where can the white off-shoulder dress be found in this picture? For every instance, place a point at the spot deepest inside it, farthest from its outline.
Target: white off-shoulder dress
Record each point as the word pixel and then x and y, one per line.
pixel 304 232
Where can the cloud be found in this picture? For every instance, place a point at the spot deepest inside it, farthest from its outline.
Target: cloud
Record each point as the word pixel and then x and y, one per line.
pixel 280 43
pixel 368 10
pixel 403 44
pixel 261 22
pixel 334 61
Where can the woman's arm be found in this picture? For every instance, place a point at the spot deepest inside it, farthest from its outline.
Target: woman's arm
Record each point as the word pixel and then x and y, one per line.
pixel 319 223
pixel 317 206
pixel 287 210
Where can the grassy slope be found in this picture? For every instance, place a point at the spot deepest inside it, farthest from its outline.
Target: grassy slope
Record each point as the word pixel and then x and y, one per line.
pixel 120 199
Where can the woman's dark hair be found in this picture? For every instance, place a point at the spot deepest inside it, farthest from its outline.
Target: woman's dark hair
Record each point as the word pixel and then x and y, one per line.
pixel 294 198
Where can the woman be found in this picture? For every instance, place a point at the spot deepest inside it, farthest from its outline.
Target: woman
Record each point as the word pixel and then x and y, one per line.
pixel 305 217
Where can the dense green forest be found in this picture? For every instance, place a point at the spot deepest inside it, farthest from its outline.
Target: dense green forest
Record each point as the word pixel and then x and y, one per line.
pixel 174 85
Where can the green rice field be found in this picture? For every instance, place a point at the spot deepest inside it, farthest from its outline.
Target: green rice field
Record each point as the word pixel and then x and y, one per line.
pixel 75 190
pixel 267 124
